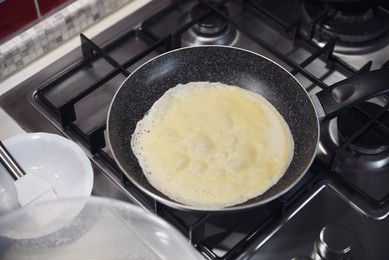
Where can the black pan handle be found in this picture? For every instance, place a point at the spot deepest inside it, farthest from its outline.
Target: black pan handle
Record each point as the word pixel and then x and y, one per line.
pixel 352 91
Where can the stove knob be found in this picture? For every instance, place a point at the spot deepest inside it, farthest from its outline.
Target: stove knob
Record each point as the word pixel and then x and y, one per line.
pixel 334 243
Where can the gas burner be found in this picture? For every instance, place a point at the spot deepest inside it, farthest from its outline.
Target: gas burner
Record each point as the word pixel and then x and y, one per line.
pixel 213 30
pixel 348 22
pixel 376 138
pixel 366 154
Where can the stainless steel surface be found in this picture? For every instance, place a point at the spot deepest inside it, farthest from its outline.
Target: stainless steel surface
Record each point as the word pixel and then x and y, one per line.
pixel 327 206
pixel 324 197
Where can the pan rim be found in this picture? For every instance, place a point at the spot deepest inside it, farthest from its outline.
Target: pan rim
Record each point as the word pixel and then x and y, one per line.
pixel 239 207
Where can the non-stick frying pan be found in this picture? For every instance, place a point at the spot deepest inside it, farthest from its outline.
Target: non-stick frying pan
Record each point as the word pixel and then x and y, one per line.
pixel 245 69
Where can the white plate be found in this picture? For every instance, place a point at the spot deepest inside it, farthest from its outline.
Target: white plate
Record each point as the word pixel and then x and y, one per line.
pixel 102 229
pixel 52 158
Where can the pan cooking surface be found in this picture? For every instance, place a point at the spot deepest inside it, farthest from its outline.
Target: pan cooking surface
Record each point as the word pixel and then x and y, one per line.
pixel 227 65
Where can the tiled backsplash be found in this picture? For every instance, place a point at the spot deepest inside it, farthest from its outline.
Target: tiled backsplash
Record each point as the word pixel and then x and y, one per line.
pixel 51 32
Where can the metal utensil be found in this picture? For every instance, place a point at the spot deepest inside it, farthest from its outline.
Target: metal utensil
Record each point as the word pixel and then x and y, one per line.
pixel 29 188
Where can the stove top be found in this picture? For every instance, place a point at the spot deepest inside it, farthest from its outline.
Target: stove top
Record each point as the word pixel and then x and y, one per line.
pixel 345 187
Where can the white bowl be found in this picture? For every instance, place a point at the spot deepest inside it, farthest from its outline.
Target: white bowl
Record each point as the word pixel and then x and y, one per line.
pixel 52 158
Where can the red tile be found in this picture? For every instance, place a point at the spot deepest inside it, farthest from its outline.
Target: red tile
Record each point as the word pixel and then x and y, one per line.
pixel 15 14
pixel 46 6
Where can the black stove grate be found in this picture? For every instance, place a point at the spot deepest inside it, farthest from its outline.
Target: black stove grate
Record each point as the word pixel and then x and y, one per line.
pixel 65 112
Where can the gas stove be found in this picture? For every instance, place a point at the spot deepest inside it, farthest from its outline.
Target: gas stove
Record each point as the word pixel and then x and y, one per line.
pixel 339 208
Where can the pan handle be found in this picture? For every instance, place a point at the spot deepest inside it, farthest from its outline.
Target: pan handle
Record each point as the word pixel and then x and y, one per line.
pixel 351 91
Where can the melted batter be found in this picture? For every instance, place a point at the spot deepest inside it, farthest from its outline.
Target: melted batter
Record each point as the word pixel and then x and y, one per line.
pixel 212 145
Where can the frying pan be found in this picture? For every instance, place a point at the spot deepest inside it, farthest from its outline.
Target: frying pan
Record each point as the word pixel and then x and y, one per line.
pixel 241 68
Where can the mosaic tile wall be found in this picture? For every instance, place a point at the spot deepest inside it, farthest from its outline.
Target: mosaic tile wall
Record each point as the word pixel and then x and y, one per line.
pixel 51 32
